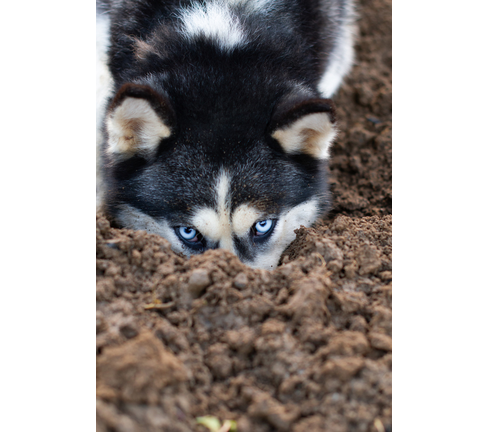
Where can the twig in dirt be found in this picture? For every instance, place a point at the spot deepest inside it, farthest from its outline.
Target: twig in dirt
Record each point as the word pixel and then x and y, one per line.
pixel 323 262
pixel 159 306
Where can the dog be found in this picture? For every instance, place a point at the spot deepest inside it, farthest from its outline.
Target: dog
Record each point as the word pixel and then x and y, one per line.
pixel 215 118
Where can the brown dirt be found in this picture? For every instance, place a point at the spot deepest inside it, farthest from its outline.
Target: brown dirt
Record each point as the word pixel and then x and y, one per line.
pixel 306 347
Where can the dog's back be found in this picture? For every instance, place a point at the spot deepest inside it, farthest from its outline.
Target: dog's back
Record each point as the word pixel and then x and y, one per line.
pixel 216 131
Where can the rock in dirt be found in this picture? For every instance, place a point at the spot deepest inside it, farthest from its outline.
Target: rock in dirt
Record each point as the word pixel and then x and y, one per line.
pixel 198 281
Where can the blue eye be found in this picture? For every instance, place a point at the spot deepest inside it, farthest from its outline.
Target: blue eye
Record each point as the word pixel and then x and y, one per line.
pixel 191 238
pixel 188 234
pixel 264 227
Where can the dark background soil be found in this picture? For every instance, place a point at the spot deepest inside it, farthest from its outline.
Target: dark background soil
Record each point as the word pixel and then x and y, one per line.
pixel 306 347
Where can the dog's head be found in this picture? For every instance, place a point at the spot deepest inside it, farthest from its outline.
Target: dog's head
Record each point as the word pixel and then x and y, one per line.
pixel 203 182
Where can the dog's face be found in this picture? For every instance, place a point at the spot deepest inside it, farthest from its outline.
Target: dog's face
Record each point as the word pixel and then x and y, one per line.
pixel 223 184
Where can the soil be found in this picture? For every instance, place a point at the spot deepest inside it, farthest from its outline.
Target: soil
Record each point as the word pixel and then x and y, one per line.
pixel 306 347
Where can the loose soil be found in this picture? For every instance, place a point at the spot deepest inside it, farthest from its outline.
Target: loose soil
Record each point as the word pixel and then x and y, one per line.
pixel 304 348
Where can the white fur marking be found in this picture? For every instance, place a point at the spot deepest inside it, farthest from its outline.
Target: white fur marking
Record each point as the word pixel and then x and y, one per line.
pixel 216 21
pixel 244 217
pixel 134 126
pixel 283 234
pixel 341 61
pixel 311 134
pixel 215 224
pixel 105 85
pixel 207 222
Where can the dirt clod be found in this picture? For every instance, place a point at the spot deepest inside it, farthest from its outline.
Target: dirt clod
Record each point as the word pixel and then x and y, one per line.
pixel 137 371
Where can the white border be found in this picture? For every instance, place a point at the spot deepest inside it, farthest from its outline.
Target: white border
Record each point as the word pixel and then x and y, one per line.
pixel 440 214
pixel 48 214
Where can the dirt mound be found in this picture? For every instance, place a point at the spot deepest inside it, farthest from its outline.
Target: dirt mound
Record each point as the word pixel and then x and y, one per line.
pixel 306 347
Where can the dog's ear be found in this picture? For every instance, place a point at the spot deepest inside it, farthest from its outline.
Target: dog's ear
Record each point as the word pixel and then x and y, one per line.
pixel 304 126
pixel 137 120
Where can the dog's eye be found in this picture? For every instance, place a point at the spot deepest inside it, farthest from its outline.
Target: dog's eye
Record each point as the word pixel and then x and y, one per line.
pixel 263 228
pixel 188 234
pixel 191 237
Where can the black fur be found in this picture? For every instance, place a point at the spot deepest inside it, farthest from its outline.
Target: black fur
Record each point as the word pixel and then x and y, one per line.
pixel 221 106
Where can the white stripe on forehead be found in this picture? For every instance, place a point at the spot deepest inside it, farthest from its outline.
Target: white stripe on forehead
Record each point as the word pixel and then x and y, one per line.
pixel 223 185
pixel 217 224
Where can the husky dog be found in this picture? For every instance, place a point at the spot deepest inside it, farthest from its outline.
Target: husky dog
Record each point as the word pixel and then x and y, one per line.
pixel 215 123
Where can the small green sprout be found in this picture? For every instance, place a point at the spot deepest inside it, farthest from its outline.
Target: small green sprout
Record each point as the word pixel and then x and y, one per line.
pixel 214 425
